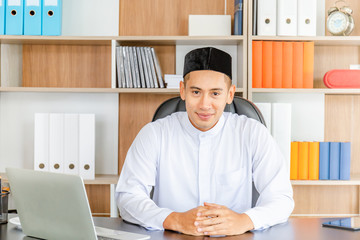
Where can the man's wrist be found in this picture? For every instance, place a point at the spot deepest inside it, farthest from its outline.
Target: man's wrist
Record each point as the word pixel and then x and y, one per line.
pixel 248 222
pixel 170 221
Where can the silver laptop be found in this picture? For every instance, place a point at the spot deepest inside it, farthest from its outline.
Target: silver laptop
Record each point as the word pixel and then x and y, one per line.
pixel 55 206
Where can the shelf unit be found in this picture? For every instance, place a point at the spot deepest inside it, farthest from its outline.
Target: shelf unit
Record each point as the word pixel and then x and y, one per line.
pixel 79 66
pixel 95 57
pixel 340 117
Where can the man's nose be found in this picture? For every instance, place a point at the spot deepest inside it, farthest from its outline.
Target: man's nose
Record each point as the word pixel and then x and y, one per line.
pixel 205 102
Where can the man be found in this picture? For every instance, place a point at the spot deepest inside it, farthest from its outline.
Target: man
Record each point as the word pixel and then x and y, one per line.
pixel 202 162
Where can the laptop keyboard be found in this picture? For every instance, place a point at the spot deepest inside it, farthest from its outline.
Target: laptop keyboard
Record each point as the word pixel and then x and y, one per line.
pixel 111 234
pixel 105 238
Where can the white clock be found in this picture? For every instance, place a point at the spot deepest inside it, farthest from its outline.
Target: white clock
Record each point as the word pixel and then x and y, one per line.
pixel 339 21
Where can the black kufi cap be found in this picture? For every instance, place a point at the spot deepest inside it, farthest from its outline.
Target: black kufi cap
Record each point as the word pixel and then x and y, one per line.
pixel 208 58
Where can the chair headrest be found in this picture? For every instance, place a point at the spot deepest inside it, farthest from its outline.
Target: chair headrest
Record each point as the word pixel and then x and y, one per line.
pixel 239 105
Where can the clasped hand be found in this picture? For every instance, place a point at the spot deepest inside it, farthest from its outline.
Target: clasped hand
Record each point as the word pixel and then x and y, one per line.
pixel 212 219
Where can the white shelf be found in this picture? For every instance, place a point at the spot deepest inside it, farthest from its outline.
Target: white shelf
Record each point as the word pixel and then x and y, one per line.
pixel 106 40
pixel 327 215
pixel 101 179
pixel 181 40
pixel 96 90
pixel 305 90
pixel 352 182
pixel 65 40
pixel 318 40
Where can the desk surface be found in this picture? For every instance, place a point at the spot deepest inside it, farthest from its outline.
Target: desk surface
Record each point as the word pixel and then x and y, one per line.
pixel 294 229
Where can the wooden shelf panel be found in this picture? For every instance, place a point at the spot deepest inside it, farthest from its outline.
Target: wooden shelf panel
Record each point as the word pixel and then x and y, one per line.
pixel 168 17
pixel 318 40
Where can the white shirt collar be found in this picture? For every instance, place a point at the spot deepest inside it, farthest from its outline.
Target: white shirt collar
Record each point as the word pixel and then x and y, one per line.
pixel 194 132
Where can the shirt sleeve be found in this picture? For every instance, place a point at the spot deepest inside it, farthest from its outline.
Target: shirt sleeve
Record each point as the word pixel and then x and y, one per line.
pixel 271 179
pixel 136 181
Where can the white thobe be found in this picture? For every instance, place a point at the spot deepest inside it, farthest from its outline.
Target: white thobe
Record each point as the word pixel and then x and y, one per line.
pixel 188 167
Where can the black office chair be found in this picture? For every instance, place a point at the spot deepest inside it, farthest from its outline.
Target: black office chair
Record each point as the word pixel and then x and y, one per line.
pixel 239 105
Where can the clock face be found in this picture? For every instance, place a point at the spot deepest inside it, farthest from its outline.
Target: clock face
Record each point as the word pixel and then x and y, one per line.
pixel 337 23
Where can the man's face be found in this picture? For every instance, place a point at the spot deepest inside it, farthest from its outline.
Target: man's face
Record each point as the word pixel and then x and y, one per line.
pixel 206 93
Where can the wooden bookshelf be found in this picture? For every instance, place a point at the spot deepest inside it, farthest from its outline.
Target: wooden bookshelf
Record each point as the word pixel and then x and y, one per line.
pixel 93 57
pixel 319 197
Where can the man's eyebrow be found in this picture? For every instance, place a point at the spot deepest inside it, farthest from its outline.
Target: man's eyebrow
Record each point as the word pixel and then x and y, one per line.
pixel 213 89
pixel 197 88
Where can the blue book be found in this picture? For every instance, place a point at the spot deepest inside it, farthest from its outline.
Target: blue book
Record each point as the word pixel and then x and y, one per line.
pixel 324 161
pixel 345 159
pixel 334 161
pixel 238 17
pixel 32 17
pixel 14 17
pixel 2 16
pixel 51 17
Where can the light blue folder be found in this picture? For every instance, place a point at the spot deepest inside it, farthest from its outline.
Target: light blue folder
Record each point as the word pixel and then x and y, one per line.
pixel 52 17
pixel 324 161
pixel 32 17
pixel 2 16
pixel 14 17
pixel 345 160
pixel 334 160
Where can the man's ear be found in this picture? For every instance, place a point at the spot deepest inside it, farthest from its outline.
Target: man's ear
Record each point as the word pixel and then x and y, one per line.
pixel 231 94
pixel 182 90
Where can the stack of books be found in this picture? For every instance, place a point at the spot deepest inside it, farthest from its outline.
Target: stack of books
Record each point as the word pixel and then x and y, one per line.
pixel 277 64
pixel 138 67
pixel 320 161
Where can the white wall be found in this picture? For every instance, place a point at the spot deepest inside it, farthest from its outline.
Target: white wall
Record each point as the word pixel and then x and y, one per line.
pixel 17 125
pixel 90 18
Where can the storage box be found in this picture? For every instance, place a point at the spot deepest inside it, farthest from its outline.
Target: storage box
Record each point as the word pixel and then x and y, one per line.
pixel 342 78
pixel 209 25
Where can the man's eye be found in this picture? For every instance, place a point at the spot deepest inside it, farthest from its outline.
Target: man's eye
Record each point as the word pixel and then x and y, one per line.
pixel 216 93
pixel 196 92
